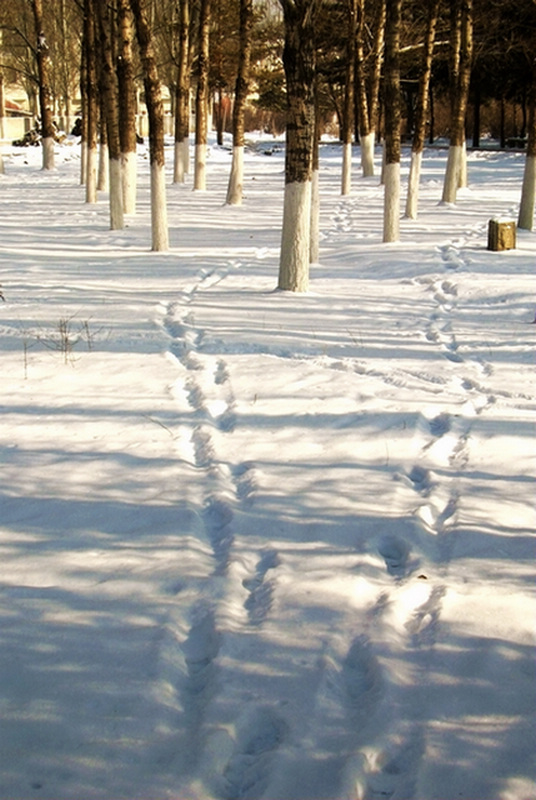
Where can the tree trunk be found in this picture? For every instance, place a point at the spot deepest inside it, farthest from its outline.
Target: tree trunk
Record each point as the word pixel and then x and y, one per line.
pixel 92 109
pixel 391 211
pixel 45 95
pixel 201 98
pixel 349 95
pixel 219 114
pixel 526 208
pixel 103 175
pixel 155 112
pixel 421 112
pixel 182 98
pixel 314 250
pixel 369 101
pixel 299 64
pixel 234 190
pixel 83 102
pixel 461 57
pixel 127 108
pixel 110 106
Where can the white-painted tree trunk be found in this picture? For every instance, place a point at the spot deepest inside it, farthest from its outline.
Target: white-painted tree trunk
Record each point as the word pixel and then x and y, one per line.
pixel 391 203
pixel 412 199
pixel 200 171
pixel 346 181
pixel 159 222
pixel 103 179
pixel 181 161
pixel 296 237
pixel 186 155
pixel 48 152
pixel 83 162
pixel 367 143
pixel 236 178
pixel 452 174
pixel 116 195
pixel 463 179
pixel 314 251
pixel 91 174
pixel 528 191
pixel 129 166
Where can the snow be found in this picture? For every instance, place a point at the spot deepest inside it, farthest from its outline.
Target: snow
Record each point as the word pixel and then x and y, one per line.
pixel 257 544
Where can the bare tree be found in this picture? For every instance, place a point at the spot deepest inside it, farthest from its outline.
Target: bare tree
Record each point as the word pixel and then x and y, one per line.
pixel 421 110
pixel 108 84
pixel 91 109
pixel 526 207
pixel 299 64
pixel 352 10
pixel 201 98
pixel 368 95
pixel 391 212
pixel 155 111
pixel 460 74
pixel 127 107
pixel 45 95
pixel 182 97
pixel 234 191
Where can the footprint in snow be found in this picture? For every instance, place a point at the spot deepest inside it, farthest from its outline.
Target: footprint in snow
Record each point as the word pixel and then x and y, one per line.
pixel 248 771
pixel 361 677
pixel 259 600
pixel 395 552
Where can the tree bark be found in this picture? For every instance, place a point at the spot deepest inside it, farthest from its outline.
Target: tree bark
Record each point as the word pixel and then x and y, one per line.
pixel 45 94
pixel 235 188
pixel 299 64
pixel 369 101
pixel 155 112
pixel 110 107
pixel 314 247
pixel 391 213
pixel 460 66
pixel 201 99
pixel 421 112
pixel 349 96
pixel 526 207
pixel 182 98
pixel 103 174
pixel 83 101
pixel 92 108
pixel 127 107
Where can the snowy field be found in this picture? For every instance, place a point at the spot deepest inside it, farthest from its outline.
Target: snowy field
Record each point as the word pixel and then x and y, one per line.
pixel 258 545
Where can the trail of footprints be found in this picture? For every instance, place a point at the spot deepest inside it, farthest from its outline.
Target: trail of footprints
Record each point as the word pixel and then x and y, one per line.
pixel 209 393
pixel 353 684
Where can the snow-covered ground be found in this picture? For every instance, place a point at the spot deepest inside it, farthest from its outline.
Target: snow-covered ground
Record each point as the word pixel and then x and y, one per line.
pixel 258 545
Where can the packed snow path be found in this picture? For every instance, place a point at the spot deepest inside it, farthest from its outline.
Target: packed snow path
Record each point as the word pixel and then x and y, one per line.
pixel 259 545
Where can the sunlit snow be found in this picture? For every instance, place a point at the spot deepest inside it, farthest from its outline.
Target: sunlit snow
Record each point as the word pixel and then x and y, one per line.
pixel 259 545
